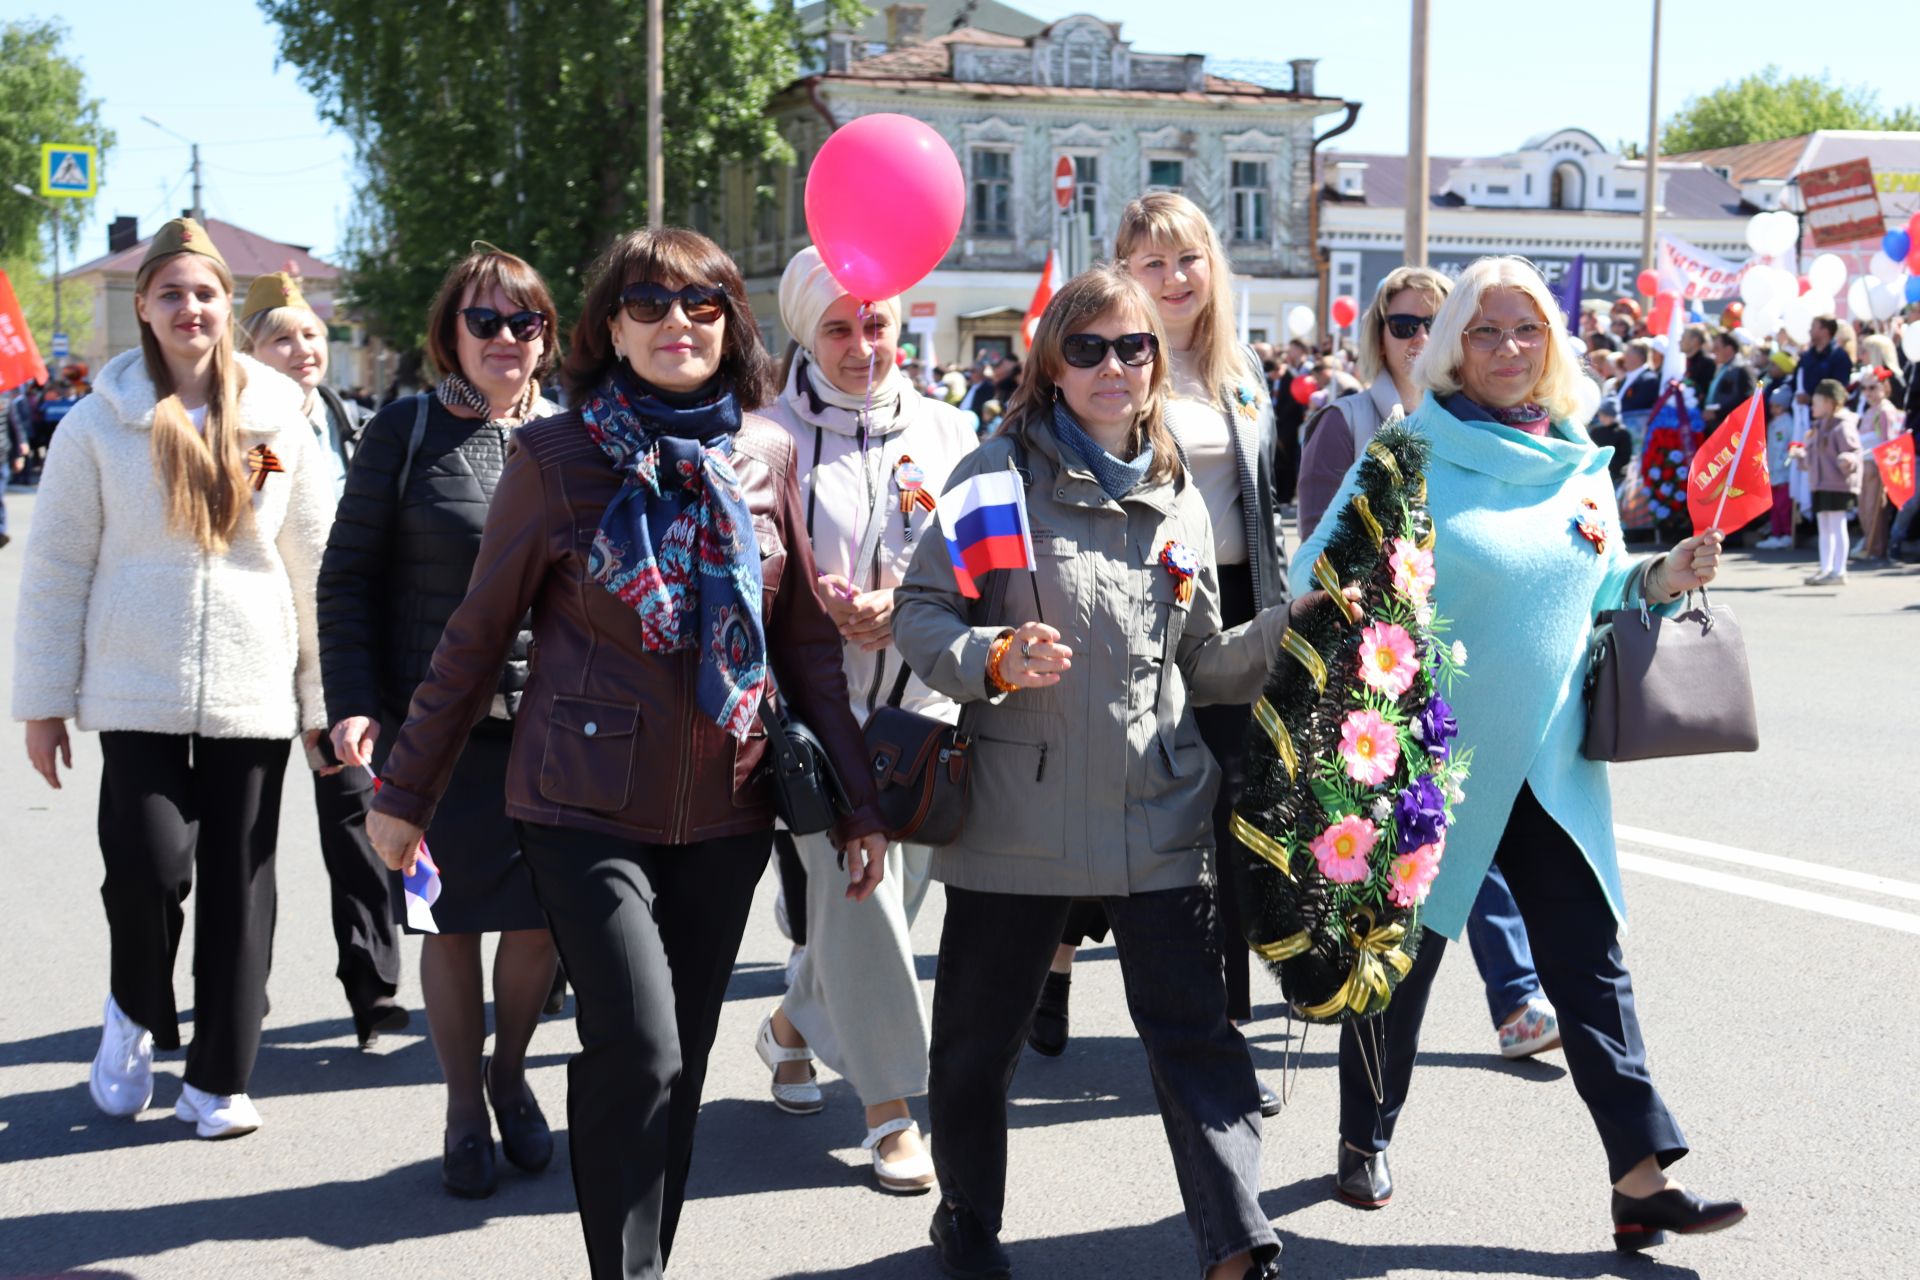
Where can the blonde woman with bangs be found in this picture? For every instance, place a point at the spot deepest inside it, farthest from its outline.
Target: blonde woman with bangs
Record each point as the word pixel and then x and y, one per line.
pixel 1219 416
pixel 167 602
pixel 1090 779
pixel 1529 551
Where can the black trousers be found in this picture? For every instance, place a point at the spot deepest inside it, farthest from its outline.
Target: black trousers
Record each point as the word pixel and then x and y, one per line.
pixel 994 952
pixel 648 933
pixel 363 928
pixel 1576 948
pixel 175 808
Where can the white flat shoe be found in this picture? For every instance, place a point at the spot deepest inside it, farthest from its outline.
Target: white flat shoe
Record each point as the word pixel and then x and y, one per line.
pixel 794 1099
pixel 911 1176
pixel 121 1078
pixel 216 1115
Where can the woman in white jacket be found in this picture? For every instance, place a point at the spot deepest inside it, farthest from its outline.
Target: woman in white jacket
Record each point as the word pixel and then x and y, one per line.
pixel 870 464
pixel 167 602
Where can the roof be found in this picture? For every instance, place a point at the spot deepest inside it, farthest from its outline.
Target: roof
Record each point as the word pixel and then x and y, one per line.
pixel 1776 159
pixel 1692 192
pixel 931 58
pixel 942 16
pixel 248 254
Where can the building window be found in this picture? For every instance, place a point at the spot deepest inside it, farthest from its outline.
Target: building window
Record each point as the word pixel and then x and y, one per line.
pixel 1528 187
pixel 797 196
pixel 1628 193
pixel 1249 201
pixel 1600 185
pixel 1493 190
pixel 766 206
pixel 1166 175
pixel 1086 190
pixel 993 193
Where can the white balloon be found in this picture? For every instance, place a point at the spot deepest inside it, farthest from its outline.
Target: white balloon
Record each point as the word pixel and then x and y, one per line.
pixel 1757 237
pixel 1764 321
pixel 1882 266
pixel 1300 321
pixel 1757 286
pixel 1797 320
pixel 1786 231
pixel 1827 274
pixel 1888 297
pixel 1910 341
pixel 1860 297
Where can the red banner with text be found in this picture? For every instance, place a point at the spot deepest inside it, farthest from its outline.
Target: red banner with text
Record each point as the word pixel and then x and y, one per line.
pixel 19 357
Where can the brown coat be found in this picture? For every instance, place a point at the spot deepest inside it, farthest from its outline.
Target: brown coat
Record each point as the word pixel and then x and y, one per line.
pixel 608 738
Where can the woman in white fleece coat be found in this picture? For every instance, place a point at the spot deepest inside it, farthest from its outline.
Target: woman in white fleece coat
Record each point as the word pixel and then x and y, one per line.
pixel 869 476
pixel 167 602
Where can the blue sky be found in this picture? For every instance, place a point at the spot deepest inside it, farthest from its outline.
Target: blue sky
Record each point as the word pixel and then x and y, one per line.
pixel 270 164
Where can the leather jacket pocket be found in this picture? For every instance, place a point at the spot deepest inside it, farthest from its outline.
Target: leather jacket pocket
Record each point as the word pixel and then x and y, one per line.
pixel 749 780
pixel 589 757
pixel 773 553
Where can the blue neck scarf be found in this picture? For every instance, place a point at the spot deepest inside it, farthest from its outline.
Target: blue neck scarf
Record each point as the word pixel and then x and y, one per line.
pixel 1117 479
pixel 676 544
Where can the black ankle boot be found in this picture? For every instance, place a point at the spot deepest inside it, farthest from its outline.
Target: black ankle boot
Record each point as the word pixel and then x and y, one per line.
pixel 1363 1180
pixel 1048 1034
pixel 964 1248
pixel 1640 1222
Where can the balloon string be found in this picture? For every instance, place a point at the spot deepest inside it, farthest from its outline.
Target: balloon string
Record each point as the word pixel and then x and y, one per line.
pixel 866 422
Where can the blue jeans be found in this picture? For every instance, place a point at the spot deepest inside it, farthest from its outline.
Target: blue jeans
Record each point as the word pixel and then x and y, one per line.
pixel 1498 938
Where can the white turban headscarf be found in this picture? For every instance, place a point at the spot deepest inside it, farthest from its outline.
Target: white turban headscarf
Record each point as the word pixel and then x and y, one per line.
pixel 807 290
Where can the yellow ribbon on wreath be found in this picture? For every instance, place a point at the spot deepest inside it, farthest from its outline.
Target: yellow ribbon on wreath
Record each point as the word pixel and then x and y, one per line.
pixel 1373 950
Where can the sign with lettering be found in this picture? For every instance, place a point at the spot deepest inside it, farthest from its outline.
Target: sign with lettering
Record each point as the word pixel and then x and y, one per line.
pixel 1842 203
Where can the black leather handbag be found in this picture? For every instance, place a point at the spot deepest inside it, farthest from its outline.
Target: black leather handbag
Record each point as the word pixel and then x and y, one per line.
pixel 920 771
pixel 807 793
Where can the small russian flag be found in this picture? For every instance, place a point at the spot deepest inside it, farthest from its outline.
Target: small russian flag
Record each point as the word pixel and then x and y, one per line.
pixel 984 520
pixel 420 888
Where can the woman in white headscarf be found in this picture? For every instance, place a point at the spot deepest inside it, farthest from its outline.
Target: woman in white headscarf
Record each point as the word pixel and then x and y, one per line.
pixel 871 455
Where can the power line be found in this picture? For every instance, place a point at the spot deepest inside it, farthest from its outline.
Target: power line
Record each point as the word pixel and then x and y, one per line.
pixel 274 173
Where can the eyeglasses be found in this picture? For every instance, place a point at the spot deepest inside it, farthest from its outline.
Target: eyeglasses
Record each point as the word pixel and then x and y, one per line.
pixel 1488 337
pixel 649 303
pixel 484 322
pixel 1404 327
pixel 1087 350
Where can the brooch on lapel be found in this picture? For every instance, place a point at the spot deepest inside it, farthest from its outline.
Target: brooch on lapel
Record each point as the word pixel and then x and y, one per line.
pixel 262 463
pixel 911 479
pixel 1249 399
pixel 1591 525
pixel 1180 561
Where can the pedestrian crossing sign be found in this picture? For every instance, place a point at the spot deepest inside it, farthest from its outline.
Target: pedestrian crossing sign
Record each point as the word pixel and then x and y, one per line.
pixel 68 169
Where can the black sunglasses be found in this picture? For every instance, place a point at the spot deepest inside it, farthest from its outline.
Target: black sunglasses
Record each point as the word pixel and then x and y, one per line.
pixel 484 322
pixel 1086 350
pixel 1404 327
pixel 649 303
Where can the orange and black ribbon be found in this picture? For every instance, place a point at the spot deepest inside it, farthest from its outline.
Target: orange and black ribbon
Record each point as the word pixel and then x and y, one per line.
pixel 262 463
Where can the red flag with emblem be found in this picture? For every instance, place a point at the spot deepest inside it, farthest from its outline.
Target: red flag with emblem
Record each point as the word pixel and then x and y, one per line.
pixel 1729 485
pixel 20 360
pixel 1050 282
pixel 1895 460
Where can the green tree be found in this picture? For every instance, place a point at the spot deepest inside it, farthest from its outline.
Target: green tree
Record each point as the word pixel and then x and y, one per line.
pixel 33 286
pixel 43 98
pixel 1768 105
pixel 523 122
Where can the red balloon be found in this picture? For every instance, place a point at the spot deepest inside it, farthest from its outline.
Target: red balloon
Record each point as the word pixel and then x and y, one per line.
pixel 1662 313
pixel 1806 286
pixel 1344 310
pixel 1913 227
pixel 1731 314
pixel 1648 282
pixel 1302 389
pixel 1913 257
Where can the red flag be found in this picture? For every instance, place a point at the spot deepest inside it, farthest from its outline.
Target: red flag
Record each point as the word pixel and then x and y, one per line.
pixel 1049 282
pixel 19 356
pixel 1729 485
pixel 1895 460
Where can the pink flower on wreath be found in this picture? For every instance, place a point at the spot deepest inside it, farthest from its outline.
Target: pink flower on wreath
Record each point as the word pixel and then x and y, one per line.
pixel 1369 747
pixel 1387 660
pixel 1341 850
pixel 1412 570
pixel 1410 878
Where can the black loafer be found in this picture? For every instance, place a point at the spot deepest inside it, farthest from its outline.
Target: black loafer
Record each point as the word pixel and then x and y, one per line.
pixel 381 1013
pixel 1363 1180
pixel 1642 1222
pixel 1048 1034
pixel 524 1134
pixel 466 1167
pixel 964 1249
pixel 1270 1103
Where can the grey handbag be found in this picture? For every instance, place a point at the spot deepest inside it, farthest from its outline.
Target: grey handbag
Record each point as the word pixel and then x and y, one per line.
pixel 1659 687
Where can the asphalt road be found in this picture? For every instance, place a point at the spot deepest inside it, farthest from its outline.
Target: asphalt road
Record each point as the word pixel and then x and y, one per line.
pixel 1777 1001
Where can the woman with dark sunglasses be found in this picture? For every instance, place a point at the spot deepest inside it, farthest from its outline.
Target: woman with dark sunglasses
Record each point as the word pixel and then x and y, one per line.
pixel 1090 779
pixel 403 546
pixel 657 533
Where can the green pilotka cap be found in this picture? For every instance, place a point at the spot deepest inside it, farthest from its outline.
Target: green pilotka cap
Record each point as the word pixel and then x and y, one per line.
pixel 182 235
pixel 273 290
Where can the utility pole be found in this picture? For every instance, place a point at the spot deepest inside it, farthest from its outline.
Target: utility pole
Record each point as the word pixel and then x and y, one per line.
pixel 1652 189
pixel 1415 251
pixel 656 94
pixel 198 212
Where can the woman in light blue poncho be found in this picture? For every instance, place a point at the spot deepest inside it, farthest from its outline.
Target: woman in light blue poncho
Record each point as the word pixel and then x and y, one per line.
pixel 1529 551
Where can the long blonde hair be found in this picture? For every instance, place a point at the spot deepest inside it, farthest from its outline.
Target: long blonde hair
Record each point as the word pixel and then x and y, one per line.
pixel 1169 219
pixel 1438 368
pixel 1373 325
pixel 1098 291
pixel 204 474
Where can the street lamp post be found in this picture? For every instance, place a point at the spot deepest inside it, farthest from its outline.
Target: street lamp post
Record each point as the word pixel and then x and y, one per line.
pixel 54 208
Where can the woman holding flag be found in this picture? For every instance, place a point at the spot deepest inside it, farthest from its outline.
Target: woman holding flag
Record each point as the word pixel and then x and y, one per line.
pixel 1090 777
pixel 1529 550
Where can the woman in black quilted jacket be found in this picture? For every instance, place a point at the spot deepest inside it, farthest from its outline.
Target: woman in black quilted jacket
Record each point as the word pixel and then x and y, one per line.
pixel 403 545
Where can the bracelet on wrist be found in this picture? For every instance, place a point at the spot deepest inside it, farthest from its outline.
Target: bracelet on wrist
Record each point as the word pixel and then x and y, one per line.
pixel 995 656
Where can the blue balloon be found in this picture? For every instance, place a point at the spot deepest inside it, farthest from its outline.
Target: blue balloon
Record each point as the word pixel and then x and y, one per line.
pixel 1897 245
pixel 1913 288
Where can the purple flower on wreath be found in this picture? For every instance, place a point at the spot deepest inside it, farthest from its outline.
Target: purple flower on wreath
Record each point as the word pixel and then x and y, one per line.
pixel 1434 727
pixel 1419 814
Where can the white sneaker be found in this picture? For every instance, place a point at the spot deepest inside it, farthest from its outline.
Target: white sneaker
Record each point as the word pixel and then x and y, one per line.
pixel 121 1080
pixel 908 1176
pixel 1779 542
pixel 216 1115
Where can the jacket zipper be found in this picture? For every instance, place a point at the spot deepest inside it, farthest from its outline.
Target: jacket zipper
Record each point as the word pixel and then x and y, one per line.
pixel 1041 747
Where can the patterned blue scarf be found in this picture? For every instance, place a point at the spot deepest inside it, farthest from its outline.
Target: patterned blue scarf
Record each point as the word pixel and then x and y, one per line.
pixel 676 543
pixel 1117 479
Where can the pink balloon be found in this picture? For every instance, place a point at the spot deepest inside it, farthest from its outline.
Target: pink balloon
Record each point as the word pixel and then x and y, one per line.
pixel 884 201
pixel 1344 310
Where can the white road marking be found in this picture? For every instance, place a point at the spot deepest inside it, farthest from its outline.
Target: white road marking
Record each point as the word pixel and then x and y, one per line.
pixel 1766 891
pixel 1839 877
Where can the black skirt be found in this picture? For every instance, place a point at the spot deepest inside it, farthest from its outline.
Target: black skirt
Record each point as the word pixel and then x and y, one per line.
pixel 485 886
pixel 1831 500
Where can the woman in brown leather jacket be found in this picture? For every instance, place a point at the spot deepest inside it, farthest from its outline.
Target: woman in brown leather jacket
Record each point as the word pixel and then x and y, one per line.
pixel 635 771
